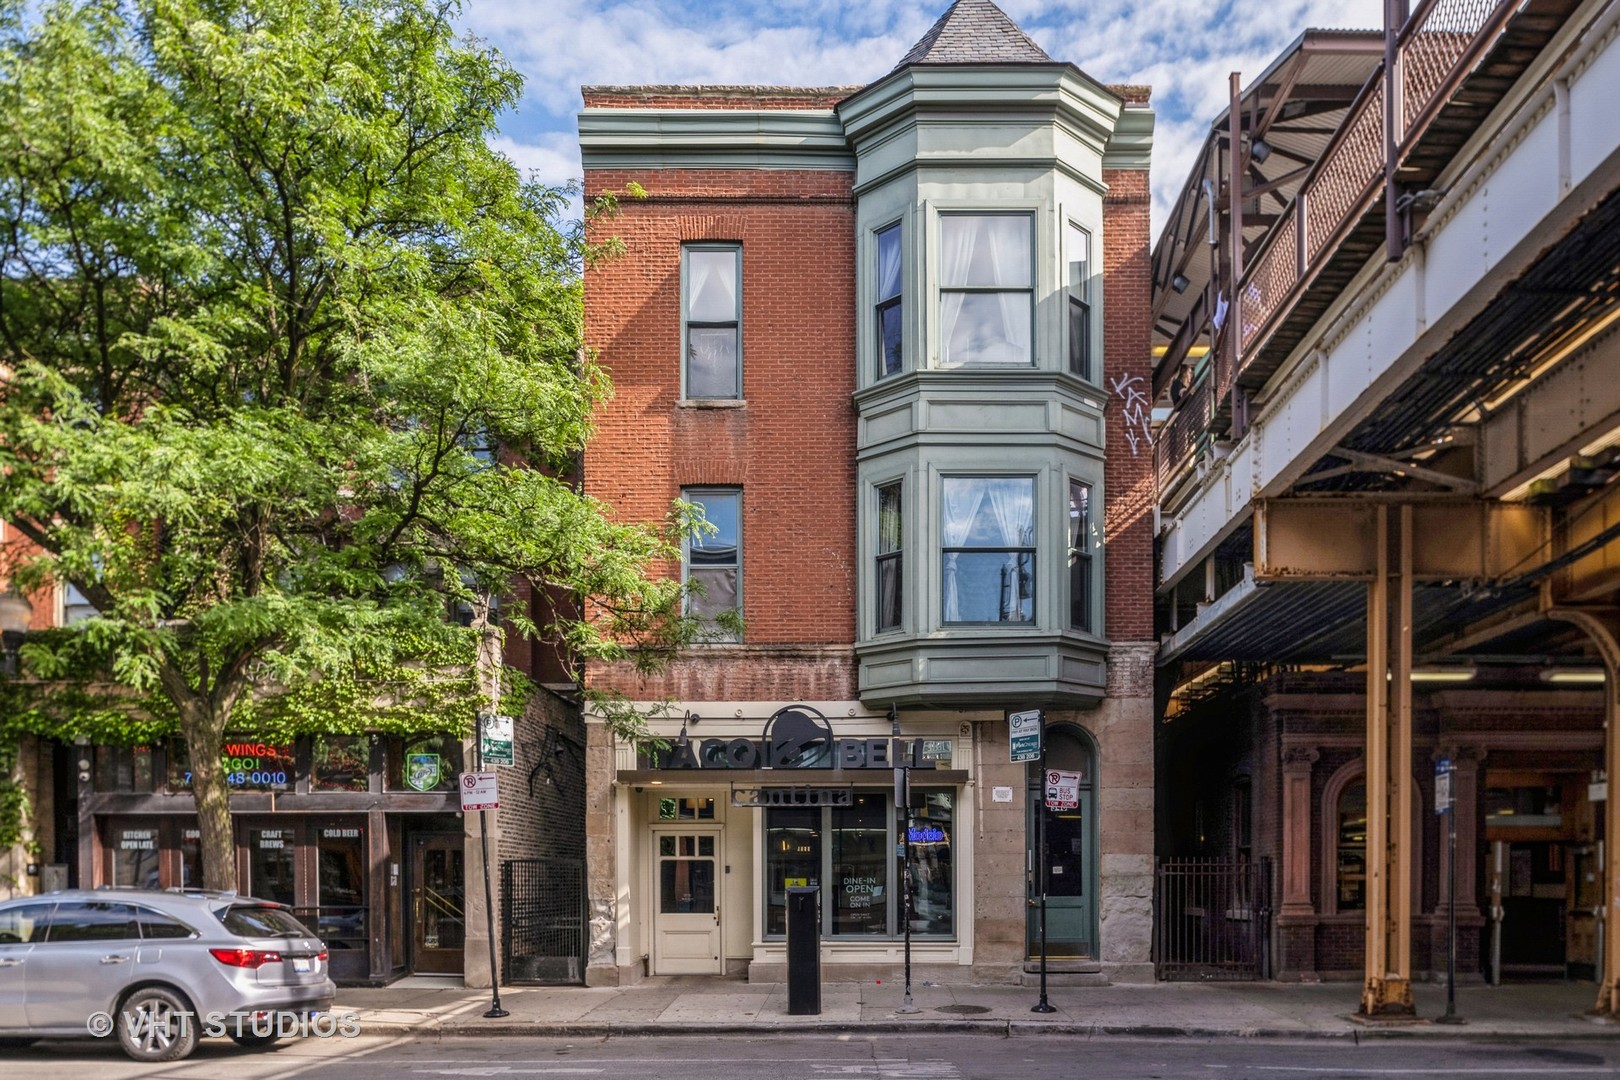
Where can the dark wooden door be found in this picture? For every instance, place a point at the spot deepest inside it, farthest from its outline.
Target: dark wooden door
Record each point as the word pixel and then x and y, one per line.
pixel 438 907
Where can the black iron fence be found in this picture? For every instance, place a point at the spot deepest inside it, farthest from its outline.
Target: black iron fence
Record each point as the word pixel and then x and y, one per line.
pixel 543 909
pixel 1213 920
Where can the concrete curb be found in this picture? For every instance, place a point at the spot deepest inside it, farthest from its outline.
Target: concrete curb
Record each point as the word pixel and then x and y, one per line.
pixel 998 1028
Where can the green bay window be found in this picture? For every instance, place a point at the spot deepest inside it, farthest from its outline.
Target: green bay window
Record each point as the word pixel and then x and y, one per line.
pixel 890 310
pixel 986 289
pixel 1080 574
pixel 1079 244
pixel 987 528
pixel 889 576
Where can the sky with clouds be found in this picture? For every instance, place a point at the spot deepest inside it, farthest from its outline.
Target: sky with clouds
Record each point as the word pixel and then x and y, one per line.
pixel 1183 49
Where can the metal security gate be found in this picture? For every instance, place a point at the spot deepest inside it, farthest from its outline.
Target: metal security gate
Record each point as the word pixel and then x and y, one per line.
pixel 1213 920
pixel 543 909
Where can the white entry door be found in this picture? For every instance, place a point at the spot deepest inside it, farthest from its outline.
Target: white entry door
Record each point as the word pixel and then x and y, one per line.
pixel 686 902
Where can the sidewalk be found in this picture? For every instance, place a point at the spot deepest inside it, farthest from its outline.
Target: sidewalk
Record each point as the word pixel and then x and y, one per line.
pixel 684 1006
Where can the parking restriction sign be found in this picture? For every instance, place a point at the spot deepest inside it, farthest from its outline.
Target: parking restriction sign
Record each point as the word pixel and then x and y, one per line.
pixel 1062 789
pixel 478 791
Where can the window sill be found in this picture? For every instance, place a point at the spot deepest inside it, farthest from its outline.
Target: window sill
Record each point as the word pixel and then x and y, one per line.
pixel 711 403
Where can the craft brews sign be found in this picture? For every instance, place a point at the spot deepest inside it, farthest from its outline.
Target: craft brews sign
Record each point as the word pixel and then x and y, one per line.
pixel 797 737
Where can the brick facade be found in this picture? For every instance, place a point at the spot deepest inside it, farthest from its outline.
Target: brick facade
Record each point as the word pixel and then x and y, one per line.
pixel 1128 477
pixel 787 444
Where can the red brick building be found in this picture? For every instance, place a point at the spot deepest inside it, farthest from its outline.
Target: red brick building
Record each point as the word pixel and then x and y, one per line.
pixel 894 340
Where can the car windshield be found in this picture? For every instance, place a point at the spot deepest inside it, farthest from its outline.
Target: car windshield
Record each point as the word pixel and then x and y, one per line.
pixel 257 921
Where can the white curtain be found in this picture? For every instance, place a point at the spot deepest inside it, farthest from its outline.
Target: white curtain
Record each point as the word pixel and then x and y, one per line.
pixel 889 263
pixel 1013 508
pixel 958 237
pixel 963 497
pixel 711 288
pixel 993 251
pixel 1009 265
pixel 1012 511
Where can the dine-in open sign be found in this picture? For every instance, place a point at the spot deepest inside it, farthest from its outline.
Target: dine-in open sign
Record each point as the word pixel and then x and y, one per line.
pixel 478 791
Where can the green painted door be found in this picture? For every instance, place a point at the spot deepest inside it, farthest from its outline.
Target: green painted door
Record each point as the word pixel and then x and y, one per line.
pixel 1070 864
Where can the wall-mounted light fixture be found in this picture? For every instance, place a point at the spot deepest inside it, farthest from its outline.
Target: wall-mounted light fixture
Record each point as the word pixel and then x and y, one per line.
pixel 1179 283
pixel 686 718
pixel 1259 150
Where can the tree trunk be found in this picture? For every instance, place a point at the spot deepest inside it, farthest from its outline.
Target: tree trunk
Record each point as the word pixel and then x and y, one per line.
pixel 204 733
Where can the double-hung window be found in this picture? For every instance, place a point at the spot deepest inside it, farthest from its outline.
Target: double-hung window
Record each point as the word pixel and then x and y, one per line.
pixel 987 531
pixel 1079 555
pixel 1079 243
pixel 889 314
pixel 714 559
pixel 986 288
pixel 888 578
pixel 711 322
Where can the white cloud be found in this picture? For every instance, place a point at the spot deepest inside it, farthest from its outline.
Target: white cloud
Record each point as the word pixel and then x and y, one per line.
pixel 552 158
pixel 1183 49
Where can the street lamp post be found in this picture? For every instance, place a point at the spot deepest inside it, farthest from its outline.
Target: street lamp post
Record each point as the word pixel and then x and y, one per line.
pixel 902 802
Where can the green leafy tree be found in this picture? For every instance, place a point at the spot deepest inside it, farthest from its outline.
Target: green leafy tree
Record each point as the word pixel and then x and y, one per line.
pixel 292 366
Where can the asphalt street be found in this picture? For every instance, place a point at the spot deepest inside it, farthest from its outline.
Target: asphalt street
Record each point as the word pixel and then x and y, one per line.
pixel 778 1056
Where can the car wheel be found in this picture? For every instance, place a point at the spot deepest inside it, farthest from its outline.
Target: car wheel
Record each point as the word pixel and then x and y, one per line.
pixel 249 1040
pixel 156 1024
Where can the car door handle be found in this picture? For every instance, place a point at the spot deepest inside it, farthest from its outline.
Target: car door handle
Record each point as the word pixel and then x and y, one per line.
pixel 10 963
pixel 114 958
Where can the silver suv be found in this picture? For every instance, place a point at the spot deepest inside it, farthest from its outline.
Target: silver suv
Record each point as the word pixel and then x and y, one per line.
pixel 158 969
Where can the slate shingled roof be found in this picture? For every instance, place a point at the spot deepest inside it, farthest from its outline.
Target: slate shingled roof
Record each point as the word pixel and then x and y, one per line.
pixel 974 32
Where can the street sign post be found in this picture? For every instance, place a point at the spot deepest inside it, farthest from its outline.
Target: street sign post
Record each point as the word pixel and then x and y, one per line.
pixel 1042 1006
pixel 1024 735
pixel 1444 803
pixel 495 739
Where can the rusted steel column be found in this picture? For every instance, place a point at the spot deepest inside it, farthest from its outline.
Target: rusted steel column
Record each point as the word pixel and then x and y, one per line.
pixel 1604 630
pixel 1387 987
pixel 1398 981
pixel 1374 965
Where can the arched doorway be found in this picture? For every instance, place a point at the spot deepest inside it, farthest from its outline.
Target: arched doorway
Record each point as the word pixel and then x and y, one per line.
pixel 1071 845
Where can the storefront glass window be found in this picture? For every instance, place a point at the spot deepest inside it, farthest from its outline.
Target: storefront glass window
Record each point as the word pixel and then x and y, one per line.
pixel 340 763
pixel 1522 807
pixel 1352 870
pixel 340 919
pixel 135 856
pixel 860 866
pixel 126 769
pixel 424 763
pixel 792 857
pixel 860 859
pixel 686 875
pixel 191 871
pixel 250 765
pixel 270 864
pixel 686 809
pixel 933 902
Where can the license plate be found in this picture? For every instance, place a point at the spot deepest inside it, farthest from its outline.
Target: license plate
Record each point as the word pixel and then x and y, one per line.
pixel 301 965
